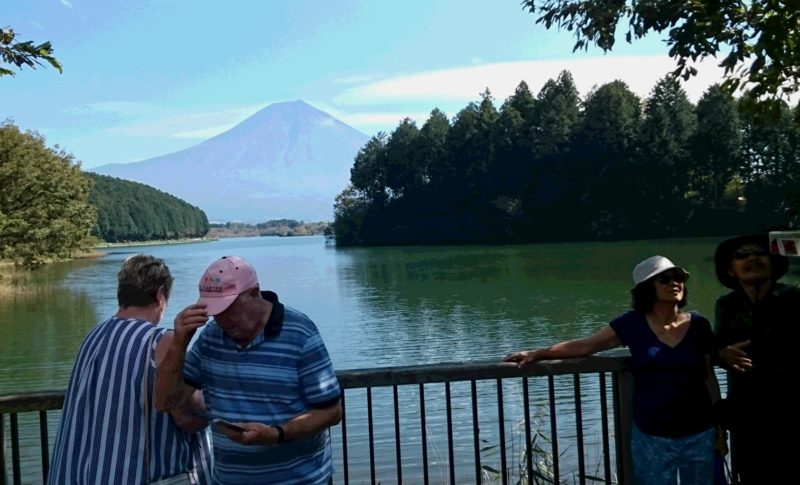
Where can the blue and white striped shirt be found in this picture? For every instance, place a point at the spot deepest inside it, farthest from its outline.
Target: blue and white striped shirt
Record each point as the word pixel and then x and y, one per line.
pixel 283 373
pixel 100 438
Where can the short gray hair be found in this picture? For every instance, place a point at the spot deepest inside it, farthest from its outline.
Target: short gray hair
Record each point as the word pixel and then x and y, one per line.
pixel 139 280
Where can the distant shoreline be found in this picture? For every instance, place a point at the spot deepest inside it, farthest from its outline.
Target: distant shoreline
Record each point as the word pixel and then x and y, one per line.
pixel 11 275
pixel 280 227
pixel 156 242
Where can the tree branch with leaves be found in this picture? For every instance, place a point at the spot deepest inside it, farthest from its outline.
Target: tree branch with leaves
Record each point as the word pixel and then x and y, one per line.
pixel 45 212
pixel 761 37
pixel 21 54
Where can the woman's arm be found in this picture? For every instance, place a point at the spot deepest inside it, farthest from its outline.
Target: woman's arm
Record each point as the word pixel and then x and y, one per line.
pixel 605 339
pixel 721 443
pixel 711 381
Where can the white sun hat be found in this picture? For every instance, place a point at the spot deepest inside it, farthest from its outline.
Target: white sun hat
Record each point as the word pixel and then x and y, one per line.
pixel 652 266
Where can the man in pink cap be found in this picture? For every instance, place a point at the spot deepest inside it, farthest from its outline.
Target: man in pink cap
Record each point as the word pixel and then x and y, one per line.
pixel 262 366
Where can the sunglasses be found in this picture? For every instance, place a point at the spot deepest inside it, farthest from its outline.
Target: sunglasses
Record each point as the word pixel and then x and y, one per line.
pixel 744 254
pixel 666 278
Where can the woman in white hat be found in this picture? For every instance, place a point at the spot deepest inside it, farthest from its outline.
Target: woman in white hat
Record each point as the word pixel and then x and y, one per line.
pixel 673 411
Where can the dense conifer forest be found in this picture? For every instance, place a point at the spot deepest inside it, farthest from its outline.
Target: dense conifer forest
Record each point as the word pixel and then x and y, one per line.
pixel 130 211
pixel 555 167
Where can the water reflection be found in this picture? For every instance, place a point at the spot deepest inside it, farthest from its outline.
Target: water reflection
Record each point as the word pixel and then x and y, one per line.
pixel 42 327
pixel 459 303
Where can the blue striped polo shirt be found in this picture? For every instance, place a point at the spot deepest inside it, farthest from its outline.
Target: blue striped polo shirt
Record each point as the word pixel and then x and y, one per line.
pixel 282 373
pixel 100 438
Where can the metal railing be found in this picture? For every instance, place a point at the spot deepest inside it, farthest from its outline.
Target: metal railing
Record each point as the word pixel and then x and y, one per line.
pixel 497 423
pixel 14 404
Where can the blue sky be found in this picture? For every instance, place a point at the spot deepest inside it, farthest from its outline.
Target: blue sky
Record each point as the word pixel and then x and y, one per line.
pixel 147 77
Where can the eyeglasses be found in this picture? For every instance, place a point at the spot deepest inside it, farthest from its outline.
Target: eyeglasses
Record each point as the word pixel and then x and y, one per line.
pixel 667 278
pixel 744 254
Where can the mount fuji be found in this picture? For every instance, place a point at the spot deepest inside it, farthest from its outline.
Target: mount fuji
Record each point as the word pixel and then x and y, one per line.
pixel 287 161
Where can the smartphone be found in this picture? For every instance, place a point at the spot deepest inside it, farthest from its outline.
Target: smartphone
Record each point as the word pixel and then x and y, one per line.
pixel 230 425
pixel 214 419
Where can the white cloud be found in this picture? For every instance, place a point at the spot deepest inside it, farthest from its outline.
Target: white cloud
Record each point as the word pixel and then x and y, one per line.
pixel 372 119
pixel 381 105
pixel 383 118
pixel 174 124
pixel 464 84
pixel 66 3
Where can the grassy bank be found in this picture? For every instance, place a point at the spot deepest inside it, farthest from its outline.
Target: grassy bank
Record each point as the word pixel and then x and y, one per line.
pixel 158 242
pixel 18 282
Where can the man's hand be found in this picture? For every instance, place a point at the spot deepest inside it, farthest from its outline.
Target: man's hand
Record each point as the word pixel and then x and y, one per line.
pixel 170 390
pixel 187 322
pixel 524 357
pixel 734 357
pixel 302 426
pixel 254 434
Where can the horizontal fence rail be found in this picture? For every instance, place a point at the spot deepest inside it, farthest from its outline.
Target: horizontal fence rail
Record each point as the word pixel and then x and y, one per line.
pixel 463 422
pixel 14 404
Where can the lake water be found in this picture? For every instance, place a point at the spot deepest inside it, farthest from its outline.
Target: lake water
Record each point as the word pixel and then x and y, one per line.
pixel 375 307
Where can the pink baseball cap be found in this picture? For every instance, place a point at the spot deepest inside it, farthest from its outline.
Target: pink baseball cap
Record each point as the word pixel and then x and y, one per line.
pixel 223 281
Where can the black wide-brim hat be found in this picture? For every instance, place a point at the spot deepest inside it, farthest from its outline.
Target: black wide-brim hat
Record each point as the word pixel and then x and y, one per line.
pixel 724 254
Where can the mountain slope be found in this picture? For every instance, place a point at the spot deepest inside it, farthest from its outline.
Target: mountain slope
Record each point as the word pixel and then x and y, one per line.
pixel 130 211
pixel 289 160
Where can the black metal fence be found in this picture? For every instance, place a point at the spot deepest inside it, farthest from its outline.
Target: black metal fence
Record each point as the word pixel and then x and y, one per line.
pixel 469 422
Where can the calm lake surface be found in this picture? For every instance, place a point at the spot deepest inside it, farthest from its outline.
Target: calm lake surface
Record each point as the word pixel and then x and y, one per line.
pixel 375 307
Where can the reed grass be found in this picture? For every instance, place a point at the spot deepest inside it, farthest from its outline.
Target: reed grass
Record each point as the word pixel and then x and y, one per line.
pixel 18 283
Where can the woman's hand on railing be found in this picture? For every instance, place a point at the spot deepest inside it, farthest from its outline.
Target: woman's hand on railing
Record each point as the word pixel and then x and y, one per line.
pixel 524 357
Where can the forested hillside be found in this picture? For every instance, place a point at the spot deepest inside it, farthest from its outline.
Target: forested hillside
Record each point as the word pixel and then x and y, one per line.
pixel 130 211
pixel 44 209
pixel 556 167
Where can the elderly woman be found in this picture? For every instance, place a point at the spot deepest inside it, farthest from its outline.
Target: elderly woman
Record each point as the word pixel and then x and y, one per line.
pixel 676 389
pixel 109 430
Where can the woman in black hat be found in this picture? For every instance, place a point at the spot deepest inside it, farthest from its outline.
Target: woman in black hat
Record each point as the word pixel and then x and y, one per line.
pixel 757 333
pixel 674 429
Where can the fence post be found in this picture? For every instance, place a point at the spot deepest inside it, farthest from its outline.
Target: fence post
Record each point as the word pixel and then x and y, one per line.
pixel 623 424
pixel 3 474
